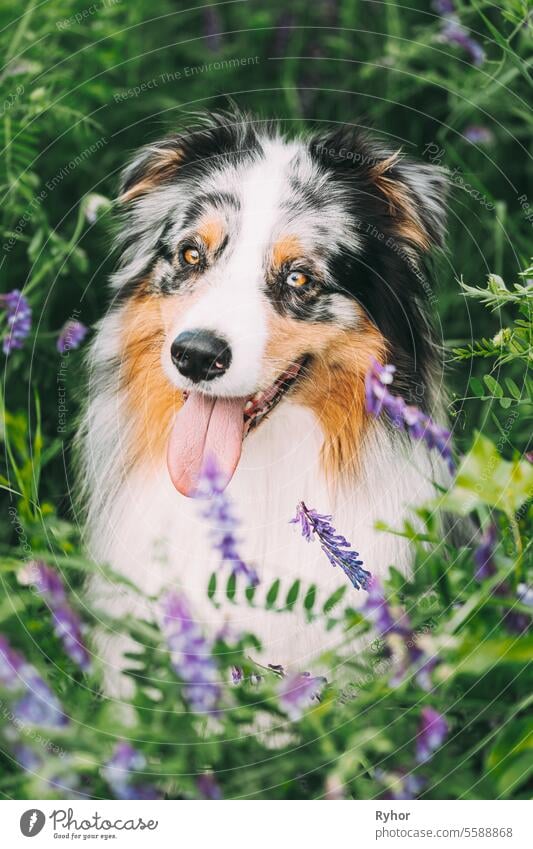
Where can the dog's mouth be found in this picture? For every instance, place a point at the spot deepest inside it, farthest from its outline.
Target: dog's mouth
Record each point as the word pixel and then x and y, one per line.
pixel 213 428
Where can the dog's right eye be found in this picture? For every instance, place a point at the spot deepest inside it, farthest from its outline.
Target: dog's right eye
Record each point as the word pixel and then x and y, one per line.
pixel 190 255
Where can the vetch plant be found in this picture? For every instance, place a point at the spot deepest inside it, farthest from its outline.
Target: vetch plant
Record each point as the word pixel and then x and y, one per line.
pixel 18 315
pixel 336 548
pixel 218 510
pixel 71 336
pixel 419 425
pixel 67 624
pixel 191 654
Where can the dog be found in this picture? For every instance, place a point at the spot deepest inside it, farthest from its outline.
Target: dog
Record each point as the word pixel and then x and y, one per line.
pixel 259 275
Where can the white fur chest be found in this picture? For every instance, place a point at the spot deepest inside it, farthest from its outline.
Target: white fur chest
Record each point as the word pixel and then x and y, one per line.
pixel 158 538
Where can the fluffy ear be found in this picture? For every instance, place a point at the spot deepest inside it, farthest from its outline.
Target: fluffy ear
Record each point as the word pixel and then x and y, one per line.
pixel 154 166
pixel 403 198
pixel 415 197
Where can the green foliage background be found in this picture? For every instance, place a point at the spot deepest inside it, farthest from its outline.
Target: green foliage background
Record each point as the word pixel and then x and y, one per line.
pixel 77 96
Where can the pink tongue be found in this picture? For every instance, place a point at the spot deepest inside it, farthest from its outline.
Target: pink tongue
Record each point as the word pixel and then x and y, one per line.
pixel 204 427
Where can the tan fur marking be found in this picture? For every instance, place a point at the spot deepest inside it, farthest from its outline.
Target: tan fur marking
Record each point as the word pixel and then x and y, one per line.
pixel 401 207
pixel 151 399
pixel 161 169
pixel 335 388
pixel 211 231
pixel 285 249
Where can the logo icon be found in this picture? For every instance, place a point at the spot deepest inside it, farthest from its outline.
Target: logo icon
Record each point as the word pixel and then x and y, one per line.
pixel 32 822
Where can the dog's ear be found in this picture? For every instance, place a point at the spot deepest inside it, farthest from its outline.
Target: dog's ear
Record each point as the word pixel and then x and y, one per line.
pixel 414 197
pixel 154 166
pixel 404 199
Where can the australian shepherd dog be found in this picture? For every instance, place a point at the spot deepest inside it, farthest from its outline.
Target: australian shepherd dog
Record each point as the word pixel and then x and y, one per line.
pixel 259 275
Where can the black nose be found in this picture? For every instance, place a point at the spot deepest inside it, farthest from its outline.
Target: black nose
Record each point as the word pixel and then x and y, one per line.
pixel 200 355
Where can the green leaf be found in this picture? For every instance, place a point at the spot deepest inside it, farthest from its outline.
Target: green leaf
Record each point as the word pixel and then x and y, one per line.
pixel 272 594
pixel 212 587
pixel 479 657
pixel 513 388
pixel 515 738
pixel 493 386
pixel 310 597
pixel 484 477
pixel 515 775
pixel 231 587
pixel 477 387
pixel 250 592
pixel 292 595
pixel 334 599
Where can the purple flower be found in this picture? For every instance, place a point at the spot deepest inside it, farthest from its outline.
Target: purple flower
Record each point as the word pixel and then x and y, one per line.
pixel 401 785
pixel 476 134
pixel 417 423
pixel 432 732
pixel 37 705
pixel 444 7
pixel 376 609
pixel 334 545
pixel 208 787
pixel 237 674
pixel 190 654
pixel 517 621
pixel 212 28
pixel 296 691
pixel 219 512
pixel 67 624
pixel 71 336
pixel 119 774
pixel 18 312
pixel 484 554
pixel 398 634
pixel 455 34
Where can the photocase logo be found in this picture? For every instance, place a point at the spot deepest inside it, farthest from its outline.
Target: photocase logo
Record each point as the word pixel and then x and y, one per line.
pixel 32 822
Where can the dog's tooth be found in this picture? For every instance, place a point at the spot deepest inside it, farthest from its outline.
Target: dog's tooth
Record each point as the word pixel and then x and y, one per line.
pixel 248 406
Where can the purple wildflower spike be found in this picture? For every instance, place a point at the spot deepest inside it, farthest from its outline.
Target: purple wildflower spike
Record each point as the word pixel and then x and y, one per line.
pixel 517 621
pixel 477 134
pixel 67 624
pixel 398 632
pixel 444 7
pixel 432 732
pixel 376 609
pixel 454 33
pixel 484 554
pixel 71 336
pixel 190 654
pixel 297 691
pixel 334 545
pixel 119 774
pixel 418 424
pixel 38 705
pixel 213 27
pixel 18 312
pixel 208 787
pixel 219 512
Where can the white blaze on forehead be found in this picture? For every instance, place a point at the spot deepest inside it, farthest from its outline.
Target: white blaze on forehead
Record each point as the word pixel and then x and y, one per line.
pixel 233 304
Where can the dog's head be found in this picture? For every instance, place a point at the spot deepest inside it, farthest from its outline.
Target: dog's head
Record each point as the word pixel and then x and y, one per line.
pixel 255 267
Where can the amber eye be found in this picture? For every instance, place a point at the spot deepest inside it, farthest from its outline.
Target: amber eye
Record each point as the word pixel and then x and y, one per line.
pixel 297 279
pixel 191 256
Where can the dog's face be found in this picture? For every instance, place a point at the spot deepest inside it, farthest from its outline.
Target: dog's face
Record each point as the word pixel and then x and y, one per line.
pixel 250 274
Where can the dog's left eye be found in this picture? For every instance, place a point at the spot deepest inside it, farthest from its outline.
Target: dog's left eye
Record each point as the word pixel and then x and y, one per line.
pixel 191 255
pixel 297 279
